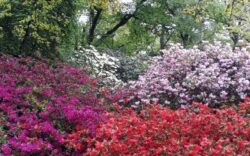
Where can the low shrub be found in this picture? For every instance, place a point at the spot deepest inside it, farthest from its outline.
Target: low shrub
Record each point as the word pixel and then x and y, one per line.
pixel 215 75
pixel 199 130
pixel 41 105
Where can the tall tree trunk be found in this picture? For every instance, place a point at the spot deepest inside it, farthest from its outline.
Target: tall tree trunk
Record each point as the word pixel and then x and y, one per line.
pixel 162 40
pixel 165 37
pixel 235 39
pixel 53 50
pixel 94 17
pixel 185 39
pixel 25 42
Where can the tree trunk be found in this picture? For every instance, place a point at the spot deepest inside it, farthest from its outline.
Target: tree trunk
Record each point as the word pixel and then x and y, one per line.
pixel 235 39
pixel 93 22
pixel 25 42
pixel 185 39
pixel 164 37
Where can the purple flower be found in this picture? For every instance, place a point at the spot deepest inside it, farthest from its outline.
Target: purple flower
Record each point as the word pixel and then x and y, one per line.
pixel 40 105
pixel 6 149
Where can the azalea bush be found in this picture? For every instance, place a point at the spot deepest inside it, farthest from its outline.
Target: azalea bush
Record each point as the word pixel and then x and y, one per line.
pixel 199 130
pixel 102 66
pixel 113 68
pixel 41 105
pixel 215 75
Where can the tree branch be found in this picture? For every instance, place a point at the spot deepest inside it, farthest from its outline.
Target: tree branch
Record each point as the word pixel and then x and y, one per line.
pixel 123 21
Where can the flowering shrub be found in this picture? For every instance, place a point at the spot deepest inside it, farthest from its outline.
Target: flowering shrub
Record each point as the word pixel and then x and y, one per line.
pixel 41 105
pixel 112 67
pixel 99 65
pixel 199 130
pixel 215 76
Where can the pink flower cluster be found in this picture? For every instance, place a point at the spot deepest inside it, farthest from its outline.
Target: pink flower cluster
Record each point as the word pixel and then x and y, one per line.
pixel 215 75
pixel 41 104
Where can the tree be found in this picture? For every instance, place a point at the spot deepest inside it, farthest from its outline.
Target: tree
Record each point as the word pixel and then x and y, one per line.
pixel 155 23
pixel 99 12
pixel 179 21
pixel 237 21
pixel 35 25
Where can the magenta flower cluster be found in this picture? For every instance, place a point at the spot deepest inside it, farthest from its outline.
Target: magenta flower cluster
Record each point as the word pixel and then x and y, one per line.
pixel 41 104
pixel 215 75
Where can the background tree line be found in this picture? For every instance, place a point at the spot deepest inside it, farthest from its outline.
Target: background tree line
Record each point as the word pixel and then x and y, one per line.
pixel 52 27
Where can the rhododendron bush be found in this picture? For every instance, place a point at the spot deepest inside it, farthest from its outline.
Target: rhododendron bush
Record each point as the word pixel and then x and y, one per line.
pixel 41 105
pixel 215 75
pixel 199 130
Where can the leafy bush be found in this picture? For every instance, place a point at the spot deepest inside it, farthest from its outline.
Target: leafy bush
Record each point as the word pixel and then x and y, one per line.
pixel 41 105
pixel 130 66
pixel 214 75
pixel 199 130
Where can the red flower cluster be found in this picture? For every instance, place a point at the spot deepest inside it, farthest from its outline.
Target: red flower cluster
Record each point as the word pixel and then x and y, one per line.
pixel 78 140
pixel 199 130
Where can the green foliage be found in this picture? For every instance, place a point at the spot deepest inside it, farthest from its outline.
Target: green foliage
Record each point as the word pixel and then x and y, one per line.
pixel 238 19
pixel 51 27
pixel 28 26
pixel 158 22
pixel 3 137
pixel 104 4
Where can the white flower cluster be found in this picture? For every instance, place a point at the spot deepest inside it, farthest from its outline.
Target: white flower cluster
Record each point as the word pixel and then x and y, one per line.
pixel 102 66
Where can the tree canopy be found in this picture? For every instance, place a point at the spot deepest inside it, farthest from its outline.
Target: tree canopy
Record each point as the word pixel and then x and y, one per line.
pixel 48 26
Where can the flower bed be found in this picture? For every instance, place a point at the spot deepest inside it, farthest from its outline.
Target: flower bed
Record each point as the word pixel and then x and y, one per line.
pixel 57 109
pixel 199 130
